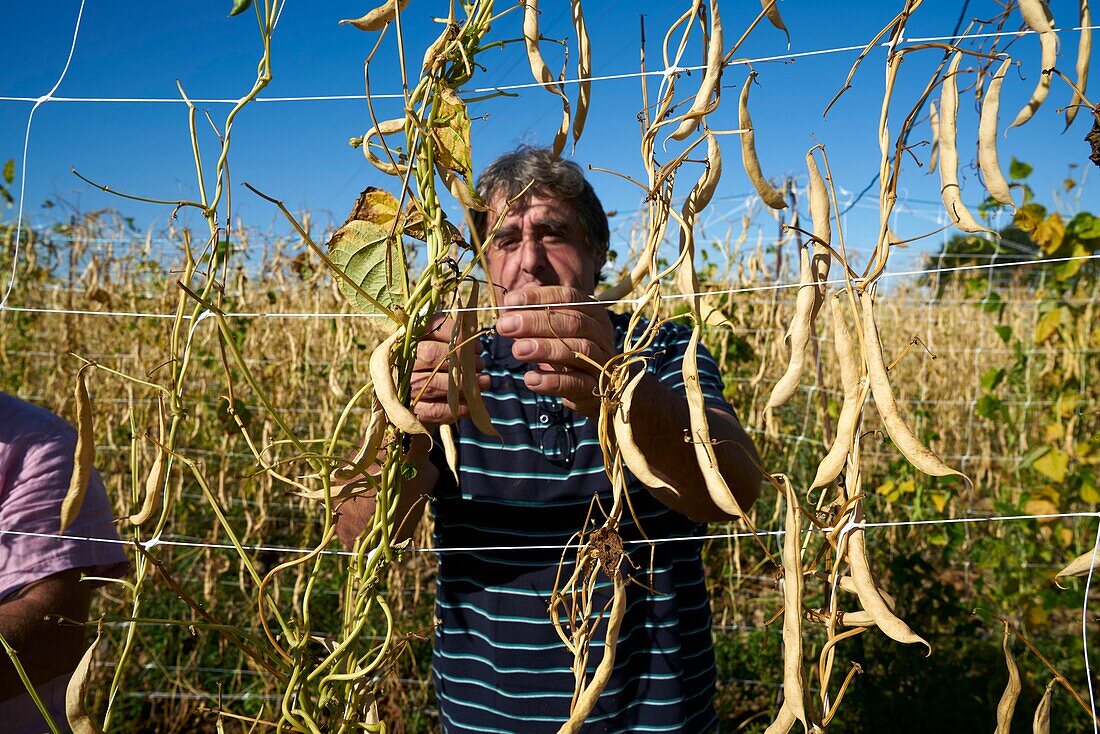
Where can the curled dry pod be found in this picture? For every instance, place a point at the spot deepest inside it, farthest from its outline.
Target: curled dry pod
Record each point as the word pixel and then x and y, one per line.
pixel 1007 705
pixel 541 71
pixel 467 365
pixel 771 10
pixel 591 693
pixel 900 433
pixel 154 488
pixel 1084 52
pixel 83 457
pixel 988 160
pixel 871 599
pixel 376 19
pixel 1048 43
pixel 79 720
pixel 855 619
pixel 386 127
pixel 784 721
pixel 949 154
pixel 848 584
pixel 717 488
pixel 846 424
pixel 770 195
pixel 706 99
pixel 792 606
pixel 1040 724
pixel 381 373
pixel 1080 565
pixel 632 455
pixel 347 476
pixel 798 336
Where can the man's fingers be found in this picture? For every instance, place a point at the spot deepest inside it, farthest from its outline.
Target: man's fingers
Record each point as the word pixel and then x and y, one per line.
pixel 555 322
pixel 563 352
pixel 546 295
pixel 571 385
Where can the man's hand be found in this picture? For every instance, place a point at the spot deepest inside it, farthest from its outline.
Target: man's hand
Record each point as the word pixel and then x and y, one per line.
pixel 552 338
pixel 430 375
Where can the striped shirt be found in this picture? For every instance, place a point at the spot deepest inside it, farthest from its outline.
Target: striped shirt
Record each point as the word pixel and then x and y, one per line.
pixel 498 663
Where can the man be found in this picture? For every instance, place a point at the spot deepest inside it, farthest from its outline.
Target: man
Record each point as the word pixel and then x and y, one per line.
pixel 39 574
pixel 498 663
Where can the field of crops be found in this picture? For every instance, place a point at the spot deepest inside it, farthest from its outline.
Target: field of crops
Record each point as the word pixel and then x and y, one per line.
pixel 181 665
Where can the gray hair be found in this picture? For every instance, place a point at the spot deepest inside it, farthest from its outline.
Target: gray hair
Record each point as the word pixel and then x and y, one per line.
pixel 547 175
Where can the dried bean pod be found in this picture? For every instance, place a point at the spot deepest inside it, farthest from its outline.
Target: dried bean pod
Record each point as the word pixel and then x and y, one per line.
pixel 584 70
pixel 541 71
pixel 798 336
pixel 77 715
pixel 633 457
pixel 792 607
pixel 716 485
pixel 378 18
pixel 870 598
pixel 771 10
pixel 706 99
pixel 1084 53
pixel 949 154
pixel 821 214
pixel 1040 724
pixel 154 489
pixel 1007 705
pixel 83 456
pixel 467 358
pixel 381 373
pixel 934 123
pixel 591 693
pixel 988 160
pixel 833 463
pixel 1080 565
pixel 769 194
pixel 1048 43
pixel 901 434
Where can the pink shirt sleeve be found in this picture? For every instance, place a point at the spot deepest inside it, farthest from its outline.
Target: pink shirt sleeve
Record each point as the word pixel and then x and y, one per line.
pixel 36 463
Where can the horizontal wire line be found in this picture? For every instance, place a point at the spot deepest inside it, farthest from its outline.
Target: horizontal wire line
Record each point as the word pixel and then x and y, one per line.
pixel 556 547
pixel 623 301
pixel 534 84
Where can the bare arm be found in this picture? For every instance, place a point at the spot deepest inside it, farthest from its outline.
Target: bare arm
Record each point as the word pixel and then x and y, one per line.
pixel 45 649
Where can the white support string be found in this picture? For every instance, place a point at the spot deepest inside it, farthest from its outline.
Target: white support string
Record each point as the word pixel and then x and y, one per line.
pixel 571 304
pixel 171 541
pixel 533 84
pixel 38 102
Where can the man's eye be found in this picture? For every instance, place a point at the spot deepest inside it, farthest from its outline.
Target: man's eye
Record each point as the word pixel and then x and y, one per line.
pixel 507 244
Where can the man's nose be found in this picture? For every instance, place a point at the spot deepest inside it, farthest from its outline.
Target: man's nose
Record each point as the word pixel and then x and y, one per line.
pixel 532 255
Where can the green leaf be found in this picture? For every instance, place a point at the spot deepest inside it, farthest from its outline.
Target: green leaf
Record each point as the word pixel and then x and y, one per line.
pixel 9 171
pixel 366 253
pixel 1003 331
pixel 992 302
pixel 1018 169
pixel 1064 271
pixel 1084 226
pixel 992 378
pixel 239 6
pixel 1052 464
pixel 988 407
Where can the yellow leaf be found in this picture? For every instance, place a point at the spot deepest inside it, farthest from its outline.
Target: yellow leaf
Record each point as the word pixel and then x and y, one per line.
pixel 1048 324
pixel 1052 464
pixel 888 490
pixel 376 206
pixel 452 134
pixel 1041 507
pixel 1065 536
pixel 1049 234
pixel 939 500
pixel 1053 432
pixel 907 487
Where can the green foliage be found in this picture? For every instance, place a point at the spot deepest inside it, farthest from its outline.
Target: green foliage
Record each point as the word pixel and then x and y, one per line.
pixel 369 256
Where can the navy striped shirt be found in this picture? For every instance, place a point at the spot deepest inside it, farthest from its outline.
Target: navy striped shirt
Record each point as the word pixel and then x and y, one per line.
pixel 498 663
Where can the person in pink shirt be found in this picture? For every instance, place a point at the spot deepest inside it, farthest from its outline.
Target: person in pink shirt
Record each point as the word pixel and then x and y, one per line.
pixel 40 573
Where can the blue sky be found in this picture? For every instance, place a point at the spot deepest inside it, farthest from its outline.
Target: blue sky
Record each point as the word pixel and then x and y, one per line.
pixel 298 151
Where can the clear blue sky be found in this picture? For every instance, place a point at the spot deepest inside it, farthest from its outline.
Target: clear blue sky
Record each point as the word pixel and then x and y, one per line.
pixel 298 151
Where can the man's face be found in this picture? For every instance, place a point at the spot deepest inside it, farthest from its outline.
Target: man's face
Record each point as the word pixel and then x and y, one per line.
pixel 540 242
